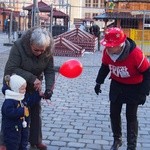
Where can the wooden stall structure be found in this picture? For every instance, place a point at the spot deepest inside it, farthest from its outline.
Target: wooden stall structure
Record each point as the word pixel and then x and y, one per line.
pixel 46 9
pixel 63 47
pixel 132 16
pixel 5 16
pixel 125 14
pixel 84 39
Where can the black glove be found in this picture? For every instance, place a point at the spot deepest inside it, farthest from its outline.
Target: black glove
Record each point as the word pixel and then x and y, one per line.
pixel 97 89
pixel 48 94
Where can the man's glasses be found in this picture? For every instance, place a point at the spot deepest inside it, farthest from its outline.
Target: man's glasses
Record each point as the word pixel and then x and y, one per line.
pixel 37 50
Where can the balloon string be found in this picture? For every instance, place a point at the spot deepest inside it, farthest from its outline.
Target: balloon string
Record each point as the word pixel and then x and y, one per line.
pixel 52 88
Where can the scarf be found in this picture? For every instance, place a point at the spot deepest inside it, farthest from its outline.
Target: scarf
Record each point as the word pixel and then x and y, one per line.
pixel 14 95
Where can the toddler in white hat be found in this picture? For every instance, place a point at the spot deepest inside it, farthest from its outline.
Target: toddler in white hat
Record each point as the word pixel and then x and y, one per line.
pixel 17 86
pixel 15 113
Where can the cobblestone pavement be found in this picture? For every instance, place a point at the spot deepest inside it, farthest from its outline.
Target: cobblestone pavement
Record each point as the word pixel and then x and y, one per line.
pixel 78 119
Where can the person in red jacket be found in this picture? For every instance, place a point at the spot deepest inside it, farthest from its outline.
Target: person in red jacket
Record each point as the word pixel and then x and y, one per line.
pixel 130 82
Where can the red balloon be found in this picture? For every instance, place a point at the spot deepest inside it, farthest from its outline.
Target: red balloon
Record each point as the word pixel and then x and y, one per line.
pixel 71 68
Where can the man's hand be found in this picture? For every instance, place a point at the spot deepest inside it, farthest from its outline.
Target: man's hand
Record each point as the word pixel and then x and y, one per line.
pixel 97 89
pixel 48 94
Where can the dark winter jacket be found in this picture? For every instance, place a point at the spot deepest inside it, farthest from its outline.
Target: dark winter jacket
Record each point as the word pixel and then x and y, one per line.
pixel 14 135
pixel 22 62
pixel 95 30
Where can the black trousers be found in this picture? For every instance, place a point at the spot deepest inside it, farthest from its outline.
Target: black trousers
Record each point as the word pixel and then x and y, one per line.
pixel 132 123
pixel 35 136
pixel 131 111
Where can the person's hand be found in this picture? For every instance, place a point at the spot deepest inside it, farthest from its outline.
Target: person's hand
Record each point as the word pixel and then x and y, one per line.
pixel 26 111
pixel 97 89
pixel 48 94
pixel 37 85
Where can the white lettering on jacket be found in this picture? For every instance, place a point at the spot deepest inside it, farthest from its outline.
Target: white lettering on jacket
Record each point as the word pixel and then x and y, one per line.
pixel 119 71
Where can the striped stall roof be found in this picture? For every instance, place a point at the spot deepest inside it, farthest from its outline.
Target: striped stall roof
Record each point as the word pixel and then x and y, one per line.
pixel 82 38
pixel 63 47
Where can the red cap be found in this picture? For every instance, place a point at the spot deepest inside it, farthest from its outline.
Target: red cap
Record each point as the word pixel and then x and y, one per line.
pixel 113 37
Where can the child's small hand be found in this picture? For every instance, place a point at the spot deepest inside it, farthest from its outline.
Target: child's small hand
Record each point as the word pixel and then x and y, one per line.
pixel 41 93
pixel 26 111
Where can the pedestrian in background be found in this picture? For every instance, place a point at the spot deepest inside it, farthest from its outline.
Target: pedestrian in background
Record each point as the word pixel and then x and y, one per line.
pixel 15 114
pixel 95 30
pixel 6 25
pixel 31 57
pixel 130 82
pixel 14 29
pixel 82 26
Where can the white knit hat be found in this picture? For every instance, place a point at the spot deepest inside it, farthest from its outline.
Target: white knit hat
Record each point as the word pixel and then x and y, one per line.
pixel 16 82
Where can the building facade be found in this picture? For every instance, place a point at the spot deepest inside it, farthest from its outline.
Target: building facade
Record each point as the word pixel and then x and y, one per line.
pixel 80 9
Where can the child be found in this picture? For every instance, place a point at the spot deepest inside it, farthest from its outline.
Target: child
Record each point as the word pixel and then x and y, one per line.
pixel 15 114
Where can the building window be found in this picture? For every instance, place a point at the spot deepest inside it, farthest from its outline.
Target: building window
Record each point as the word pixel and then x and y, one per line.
pixel 102 3
pixel 147 24
pixel 129 23
pixel 87 15
pixel 87 3
pixel 95 3
pixel 94 14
